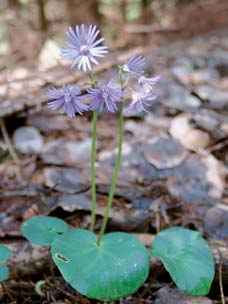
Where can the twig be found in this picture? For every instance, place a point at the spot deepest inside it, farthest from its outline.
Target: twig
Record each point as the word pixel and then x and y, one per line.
pixel 218 146
pixel 42 15
pixel 8 142
pixel 220 278
pixel 148 28
pixel 144 292
pixel 63 291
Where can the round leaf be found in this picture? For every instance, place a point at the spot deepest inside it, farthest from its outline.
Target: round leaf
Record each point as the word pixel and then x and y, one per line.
pixel 42 230
pixel 5 253
pixel 187 257
pixel 114 269
pixel 4 272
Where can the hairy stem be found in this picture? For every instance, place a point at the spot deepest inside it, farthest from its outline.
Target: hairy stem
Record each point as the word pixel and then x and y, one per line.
pixel 115 175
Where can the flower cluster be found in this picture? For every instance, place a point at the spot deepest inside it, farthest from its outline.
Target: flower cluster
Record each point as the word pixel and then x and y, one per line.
pixel 142 98
pixel 67 99
pixel 83 47
pixel 106 96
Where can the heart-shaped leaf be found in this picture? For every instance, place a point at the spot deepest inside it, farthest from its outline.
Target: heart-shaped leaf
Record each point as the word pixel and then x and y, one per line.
pixel 187 257
pixel 4 272
pixel 5 253
pixel 42 230
pixel 114 269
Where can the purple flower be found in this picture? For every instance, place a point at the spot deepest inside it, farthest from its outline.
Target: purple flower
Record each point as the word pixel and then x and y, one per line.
pixel 67 99
pixel 135 65
pixel 82 47
pixel 146 84
pixel 140 100
pixel 106 96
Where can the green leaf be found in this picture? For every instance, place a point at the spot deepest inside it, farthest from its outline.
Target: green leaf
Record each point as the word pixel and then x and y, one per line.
pixel 4 272
pixel 114 269
pixel 5 253
pixel 187 257
pixel 42 230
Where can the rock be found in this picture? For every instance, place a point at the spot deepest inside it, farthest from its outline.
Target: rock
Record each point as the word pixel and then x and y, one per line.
pixel 212 122
pixel 49 54
pixel 198 180
pixel 215 176
pixel 164 152
pixel 47 123
pixel 182 130
pixel 28 140
pixel 216 222
pixel 182 73
pixel 54 152
pixel 189 76
pixel 111 154
pixel 175 296
pixel 73 202
pixel 207 120
pixel 79 151
pixel 65 180
pixel 216 98
pixel 218 59
pixel 60 152
pixel 143 204
pixel 196 139
pixel 222 84
pixel 133 220
pixel 179 98
pixel 224 128
pixel 137 129
pixel 158 121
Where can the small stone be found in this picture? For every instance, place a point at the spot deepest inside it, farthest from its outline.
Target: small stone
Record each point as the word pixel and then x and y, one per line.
pixel 180 126
pixel 189 76
pixel 224 127
pixel 107 154
pixel 49 55
pixel 164 152
pixel 137 129
pixel 198 181
pixel 47 123
pixel 179 98
pixel 175 296
pixel 73 202
pixel 215 175
pixel 65 180
pixel 60 152
pixel 158 121
pixel 182 129
pixel 28 140
pixel 53 152
pixel 133 220
pixel 79 151
pixel 196 139
pixel 216 222
pixel 217 98
pixel 207 120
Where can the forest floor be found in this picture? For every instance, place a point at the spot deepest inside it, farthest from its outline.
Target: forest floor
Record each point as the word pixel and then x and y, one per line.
pixel 173 169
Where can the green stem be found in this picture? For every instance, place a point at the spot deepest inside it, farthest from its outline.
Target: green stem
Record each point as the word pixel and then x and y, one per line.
pixel 93 179
pixel 115 176
pixel 93 159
